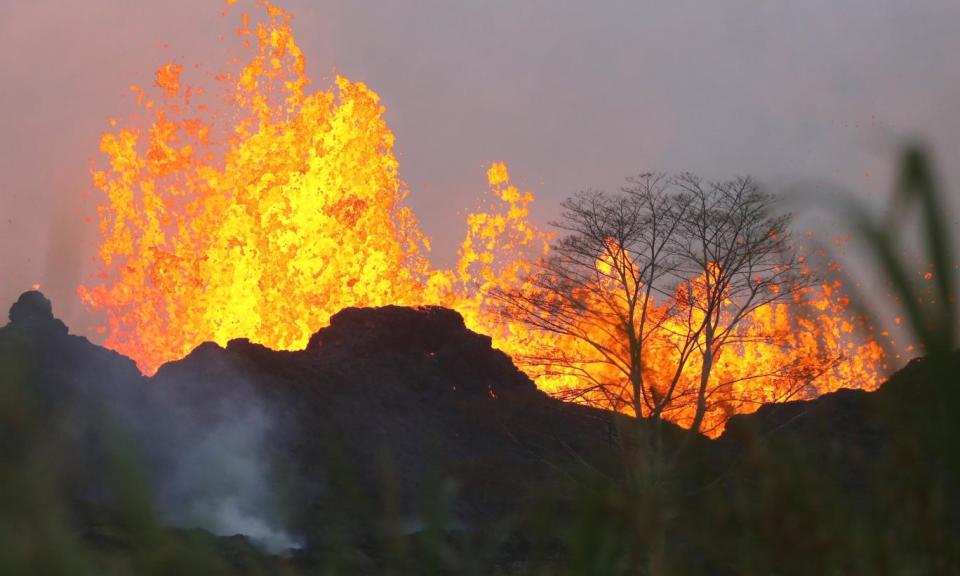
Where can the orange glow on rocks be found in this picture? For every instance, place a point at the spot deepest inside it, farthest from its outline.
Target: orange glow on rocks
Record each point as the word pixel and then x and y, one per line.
pixel 264 216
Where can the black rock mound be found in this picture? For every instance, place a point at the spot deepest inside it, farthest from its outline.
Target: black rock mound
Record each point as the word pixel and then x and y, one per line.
pixel 388 413
pixel 397 403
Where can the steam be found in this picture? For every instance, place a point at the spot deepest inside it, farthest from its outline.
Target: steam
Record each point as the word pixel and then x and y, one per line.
pixel 220 475
pixel 212 446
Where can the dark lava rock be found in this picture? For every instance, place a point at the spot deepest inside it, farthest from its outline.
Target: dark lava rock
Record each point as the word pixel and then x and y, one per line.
pixel 388 409
pixel 386 415
pixel 34 309
pixel 392 414
pixel 429 335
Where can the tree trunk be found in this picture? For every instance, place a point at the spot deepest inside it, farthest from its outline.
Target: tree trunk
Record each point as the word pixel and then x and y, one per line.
pixel 636 382
pixel 704 380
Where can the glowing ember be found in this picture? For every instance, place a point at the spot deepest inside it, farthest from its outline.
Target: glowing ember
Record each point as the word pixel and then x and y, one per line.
pixel 264 220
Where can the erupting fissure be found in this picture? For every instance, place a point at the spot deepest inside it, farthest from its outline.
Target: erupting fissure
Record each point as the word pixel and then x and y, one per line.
pixel 263 215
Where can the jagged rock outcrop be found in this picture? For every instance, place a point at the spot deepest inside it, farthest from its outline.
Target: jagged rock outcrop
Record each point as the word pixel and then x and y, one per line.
pixel 74 389
pixel 431 337
pixel 36 341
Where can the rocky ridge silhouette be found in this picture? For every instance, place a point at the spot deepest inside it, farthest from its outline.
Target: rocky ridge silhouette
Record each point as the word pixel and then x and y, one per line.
pixel 387 412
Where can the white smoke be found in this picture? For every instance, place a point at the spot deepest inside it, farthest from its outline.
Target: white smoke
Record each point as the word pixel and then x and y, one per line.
pixel 218 474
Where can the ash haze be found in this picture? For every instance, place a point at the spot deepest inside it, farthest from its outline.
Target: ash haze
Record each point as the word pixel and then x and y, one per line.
pixel 570 95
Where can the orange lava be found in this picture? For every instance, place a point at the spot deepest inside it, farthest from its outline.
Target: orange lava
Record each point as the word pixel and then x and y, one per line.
pixel 261 215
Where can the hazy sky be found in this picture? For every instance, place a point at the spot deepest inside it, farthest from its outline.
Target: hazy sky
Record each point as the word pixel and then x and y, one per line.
pixel 570 94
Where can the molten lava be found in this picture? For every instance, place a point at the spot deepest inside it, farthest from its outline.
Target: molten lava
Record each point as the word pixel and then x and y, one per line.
pixel 260 212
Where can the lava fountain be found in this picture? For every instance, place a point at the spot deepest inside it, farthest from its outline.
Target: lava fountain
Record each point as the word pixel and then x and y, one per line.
pixel 260 208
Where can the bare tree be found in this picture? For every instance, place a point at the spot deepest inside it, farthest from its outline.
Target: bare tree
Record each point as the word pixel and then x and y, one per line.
pixel 734 256
pixel 670 262
pixel 598 286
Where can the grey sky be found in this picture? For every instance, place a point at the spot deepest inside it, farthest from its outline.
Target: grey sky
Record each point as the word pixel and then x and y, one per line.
pixel 570 94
